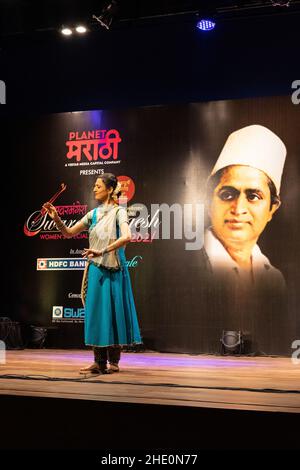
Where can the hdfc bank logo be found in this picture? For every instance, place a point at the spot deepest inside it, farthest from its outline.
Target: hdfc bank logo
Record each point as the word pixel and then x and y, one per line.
pixel 41 264
pixel 127 189
pixel 57 312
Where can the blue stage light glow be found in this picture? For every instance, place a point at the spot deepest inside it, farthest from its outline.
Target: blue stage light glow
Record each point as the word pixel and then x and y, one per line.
pixel 206 25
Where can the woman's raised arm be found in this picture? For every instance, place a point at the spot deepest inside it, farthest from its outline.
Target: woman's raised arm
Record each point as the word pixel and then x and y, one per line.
pixel 66 231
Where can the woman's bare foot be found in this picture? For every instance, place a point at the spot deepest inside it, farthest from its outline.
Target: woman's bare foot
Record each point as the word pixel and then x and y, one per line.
pixel 93 369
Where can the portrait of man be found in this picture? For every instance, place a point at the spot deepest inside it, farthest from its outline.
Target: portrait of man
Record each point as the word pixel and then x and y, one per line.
pixel 243 196
pixel 241 289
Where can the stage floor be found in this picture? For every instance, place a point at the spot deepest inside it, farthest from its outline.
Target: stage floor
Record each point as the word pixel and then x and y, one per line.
pixel 242 383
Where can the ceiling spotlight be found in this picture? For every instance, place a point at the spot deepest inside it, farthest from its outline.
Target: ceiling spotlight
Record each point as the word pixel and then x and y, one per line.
pixel 81 29
pixel 66 31
pixel 108 14
pixel 206 24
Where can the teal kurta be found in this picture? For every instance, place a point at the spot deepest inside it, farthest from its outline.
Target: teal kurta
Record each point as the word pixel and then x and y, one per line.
pixel 110 313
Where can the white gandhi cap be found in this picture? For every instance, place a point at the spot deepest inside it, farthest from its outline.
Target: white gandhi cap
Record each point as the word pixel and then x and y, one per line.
pixel 254 146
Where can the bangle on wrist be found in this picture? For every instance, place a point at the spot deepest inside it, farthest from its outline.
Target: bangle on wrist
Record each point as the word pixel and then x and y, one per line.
pixel 59 224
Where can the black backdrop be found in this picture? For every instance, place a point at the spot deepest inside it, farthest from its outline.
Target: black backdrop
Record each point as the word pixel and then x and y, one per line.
pixel 168 152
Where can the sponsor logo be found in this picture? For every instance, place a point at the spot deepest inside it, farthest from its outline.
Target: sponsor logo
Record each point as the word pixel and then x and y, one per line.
pixel 74 312
pixel 67 314
pixel 41 264
pixel 74 264
pixel 94 147
pixel 127 189
pixel 57 312
pixel 60 264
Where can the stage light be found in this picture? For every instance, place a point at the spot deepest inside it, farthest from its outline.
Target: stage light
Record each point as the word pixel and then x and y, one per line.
pixel 108 14
pixel 66 31
pixel 10 333
pixel 206 24
pixel 81 29
pixel 38 336
pixel 232 342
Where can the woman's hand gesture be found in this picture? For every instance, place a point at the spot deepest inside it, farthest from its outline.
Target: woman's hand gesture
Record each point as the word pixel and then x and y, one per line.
pixel 89 253
pixel 51 211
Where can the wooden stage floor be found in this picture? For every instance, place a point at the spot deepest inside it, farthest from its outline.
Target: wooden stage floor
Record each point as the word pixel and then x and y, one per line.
pixel 240 383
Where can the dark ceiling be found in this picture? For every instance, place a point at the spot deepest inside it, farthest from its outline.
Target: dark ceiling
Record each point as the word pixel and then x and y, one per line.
pixel 152 54
pixel 19 17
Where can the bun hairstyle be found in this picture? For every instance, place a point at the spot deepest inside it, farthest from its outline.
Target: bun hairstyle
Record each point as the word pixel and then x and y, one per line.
pixel 111 181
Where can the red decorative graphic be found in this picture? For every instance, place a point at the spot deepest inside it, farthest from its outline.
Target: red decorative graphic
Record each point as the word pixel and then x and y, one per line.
pixel 42 212
pixel 93 144
pixel 127 189
pixel 53 198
